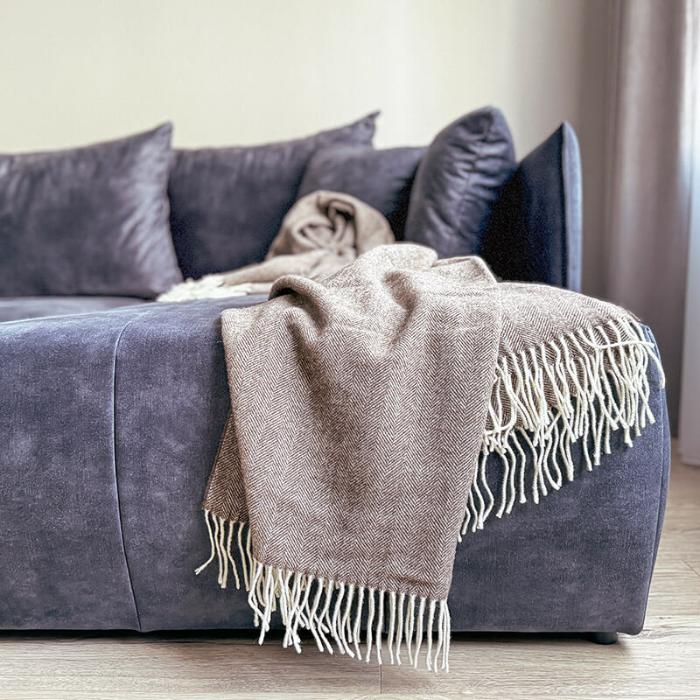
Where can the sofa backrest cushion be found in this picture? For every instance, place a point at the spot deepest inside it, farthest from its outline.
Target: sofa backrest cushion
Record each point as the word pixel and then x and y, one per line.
pixel 227 204
pixel 90 220
pixel 535 231
pixel 458 181
pixel 381 178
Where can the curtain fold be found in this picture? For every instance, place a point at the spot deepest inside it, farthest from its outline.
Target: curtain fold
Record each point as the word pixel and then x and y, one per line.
pixel 649 177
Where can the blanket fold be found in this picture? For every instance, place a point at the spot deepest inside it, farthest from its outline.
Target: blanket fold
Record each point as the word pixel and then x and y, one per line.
pixel 321 233
pixel 363 408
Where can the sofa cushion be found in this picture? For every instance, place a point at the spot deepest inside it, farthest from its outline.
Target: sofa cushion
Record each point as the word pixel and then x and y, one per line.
pixel 71 391
pixel 227 204
pixel 110 423
pixel 458 181
pixel 381 178
pixel 91 220
pixel 19 308
pixel 535 231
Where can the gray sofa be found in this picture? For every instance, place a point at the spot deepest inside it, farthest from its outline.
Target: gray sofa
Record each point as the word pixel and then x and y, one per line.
pixel 111 408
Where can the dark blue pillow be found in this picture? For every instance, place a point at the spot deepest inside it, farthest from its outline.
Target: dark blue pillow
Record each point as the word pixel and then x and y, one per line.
pixel 227 204
pixel 458 182
pixel 535 231
pixel 91 220
pixel 381 178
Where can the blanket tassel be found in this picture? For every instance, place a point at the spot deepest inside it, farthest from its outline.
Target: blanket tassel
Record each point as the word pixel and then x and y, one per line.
pixel 579 388
pixel 334 612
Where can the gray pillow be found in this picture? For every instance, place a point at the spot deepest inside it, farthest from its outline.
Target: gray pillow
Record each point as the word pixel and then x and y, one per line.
pixel 381 178
pixel 458 181
pixel 91 220
pixel 227 204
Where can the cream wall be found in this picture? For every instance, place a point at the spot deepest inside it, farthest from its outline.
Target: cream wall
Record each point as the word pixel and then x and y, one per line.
pixel 243 71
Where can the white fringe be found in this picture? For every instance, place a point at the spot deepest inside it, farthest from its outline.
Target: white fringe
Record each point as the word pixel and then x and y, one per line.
pixel 332 611
pixel 207 287
pixel 579 387
pixel 582 386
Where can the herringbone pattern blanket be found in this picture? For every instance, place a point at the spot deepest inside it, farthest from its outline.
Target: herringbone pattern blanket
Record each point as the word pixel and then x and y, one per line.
pixel 321 233
pixel 363 408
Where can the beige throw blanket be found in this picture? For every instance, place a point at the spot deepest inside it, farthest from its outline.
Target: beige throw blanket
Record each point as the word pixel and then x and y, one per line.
pixel 322 232
pixel 363 410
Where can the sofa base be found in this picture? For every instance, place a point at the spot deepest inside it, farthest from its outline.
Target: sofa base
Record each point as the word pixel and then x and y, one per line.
pixel 100 492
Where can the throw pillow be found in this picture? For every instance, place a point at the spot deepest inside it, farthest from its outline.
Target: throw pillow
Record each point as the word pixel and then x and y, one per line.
pixel 458 182
pixel 227 204
pixel 381 178
pixel 91 220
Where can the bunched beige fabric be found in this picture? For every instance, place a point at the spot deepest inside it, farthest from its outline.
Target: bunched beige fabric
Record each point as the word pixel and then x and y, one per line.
pixel 363 407
pixel 321 233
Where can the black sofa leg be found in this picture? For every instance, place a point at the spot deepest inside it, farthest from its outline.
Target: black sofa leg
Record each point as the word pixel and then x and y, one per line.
pixel 604 637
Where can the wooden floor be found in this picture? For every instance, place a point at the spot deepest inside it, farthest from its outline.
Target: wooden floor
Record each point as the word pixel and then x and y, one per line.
pixel 662 662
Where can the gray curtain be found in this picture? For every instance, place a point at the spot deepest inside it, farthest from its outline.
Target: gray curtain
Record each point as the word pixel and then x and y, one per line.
pixel 649 157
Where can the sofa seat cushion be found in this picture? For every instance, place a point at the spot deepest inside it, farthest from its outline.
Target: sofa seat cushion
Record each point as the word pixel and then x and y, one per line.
pixel 84 430
pixel 110 422
pixel 19 308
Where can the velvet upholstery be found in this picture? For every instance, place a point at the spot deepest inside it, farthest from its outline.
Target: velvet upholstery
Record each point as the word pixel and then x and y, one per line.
pixel 91 220
pixel 61 534
pixel 381 178
pixel 227 204
pixel 458 181
pixel 18 308
pixel 104 531
pixel 535 231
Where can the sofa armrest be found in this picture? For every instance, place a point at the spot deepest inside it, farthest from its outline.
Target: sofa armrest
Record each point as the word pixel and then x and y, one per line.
pixel 535 231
